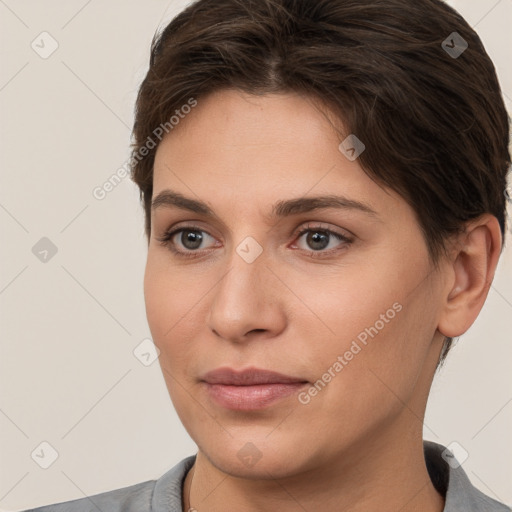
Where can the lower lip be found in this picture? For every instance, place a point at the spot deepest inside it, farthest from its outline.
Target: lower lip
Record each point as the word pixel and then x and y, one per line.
pixel 248 398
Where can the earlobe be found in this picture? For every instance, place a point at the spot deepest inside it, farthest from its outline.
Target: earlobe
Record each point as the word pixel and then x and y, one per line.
pixel 472 269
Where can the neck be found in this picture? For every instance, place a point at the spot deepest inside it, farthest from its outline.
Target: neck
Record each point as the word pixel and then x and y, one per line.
pixel 382 476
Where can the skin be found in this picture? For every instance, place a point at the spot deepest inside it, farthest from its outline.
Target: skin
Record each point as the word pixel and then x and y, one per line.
pixel 357 445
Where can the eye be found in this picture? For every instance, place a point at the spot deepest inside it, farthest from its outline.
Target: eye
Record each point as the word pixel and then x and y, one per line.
pixel 319 238
pixel 191 238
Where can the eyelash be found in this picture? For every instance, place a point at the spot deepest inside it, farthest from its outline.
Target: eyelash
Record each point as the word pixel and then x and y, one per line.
pixel 166 240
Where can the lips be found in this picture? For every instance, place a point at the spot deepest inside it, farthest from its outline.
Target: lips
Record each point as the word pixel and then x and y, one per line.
pixel 248 377
pixel 250 389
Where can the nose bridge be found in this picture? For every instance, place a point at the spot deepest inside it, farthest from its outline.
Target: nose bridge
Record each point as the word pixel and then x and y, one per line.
pixel 245 278
pixel 242 294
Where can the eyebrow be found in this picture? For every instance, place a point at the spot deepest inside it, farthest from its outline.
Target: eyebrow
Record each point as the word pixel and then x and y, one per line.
pixel 284 208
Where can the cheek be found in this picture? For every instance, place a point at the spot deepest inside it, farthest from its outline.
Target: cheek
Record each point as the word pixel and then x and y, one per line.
pixel 360 302
pixel 168 306
pixel 169 295
pixel 170 312
pixel 176 308
pixel 380 319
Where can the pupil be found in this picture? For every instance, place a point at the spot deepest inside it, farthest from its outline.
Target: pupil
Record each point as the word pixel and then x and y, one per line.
pixel 316 237
pixel 191 236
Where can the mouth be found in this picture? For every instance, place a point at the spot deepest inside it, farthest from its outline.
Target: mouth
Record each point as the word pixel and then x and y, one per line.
pixel 249 389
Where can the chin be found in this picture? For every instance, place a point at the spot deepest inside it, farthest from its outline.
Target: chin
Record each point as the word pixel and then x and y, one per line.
pixel 255 455
pixel 252 461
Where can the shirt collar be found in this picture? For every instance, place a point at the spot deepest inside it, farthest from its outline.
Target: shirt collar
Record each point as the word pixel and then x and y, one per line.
pixel 451 482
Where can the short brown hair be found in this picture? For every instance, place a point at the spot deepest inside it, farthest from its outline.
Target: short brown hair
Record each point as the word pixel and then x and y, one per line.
pixel 434 123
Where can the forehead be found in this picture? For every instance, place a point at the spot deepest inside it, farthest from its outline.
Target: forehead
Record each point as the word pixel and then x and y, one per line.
pixel 233 125
pixel 251 149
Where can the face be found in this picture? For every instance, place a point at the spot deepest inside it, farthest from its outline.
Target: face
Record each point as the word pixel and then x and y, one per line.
pixel 340 300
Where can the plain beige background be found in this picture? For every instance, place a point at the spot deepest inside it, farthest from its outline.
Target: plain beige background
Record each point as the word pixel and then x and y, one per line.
pixel 70 325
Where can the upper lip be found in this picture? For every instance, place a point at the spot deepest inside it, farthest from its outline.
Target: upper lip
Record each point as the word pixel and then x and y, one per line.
pixel 247 377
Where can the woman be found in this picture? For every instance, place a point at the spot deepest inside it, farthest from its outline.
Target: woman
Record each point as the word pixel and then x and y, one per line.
pixel 324 184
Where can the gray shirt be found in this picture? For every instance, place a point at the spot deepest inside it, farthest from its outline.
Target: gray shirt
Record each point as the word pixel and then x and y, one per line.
pixel 165 494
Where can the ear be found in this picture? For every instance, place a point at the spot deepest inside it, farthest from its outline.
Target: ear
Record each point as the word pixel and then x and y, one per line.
pixel 472 267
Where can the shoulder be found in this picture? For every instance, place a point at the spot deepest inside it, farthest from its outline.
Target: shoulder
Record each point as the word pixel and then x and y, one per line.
pixel 150 496
pixel 128 499
pixel 451 480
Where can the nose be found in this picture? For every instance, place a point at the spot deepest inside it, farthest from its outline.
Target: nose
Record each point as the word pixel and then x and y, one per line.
pixel 247 301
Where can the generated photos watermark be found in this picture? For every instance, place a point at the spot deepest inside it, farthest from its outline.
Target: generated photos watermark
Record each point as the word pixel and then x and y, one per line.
pixel 100 192
pixel 342 361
